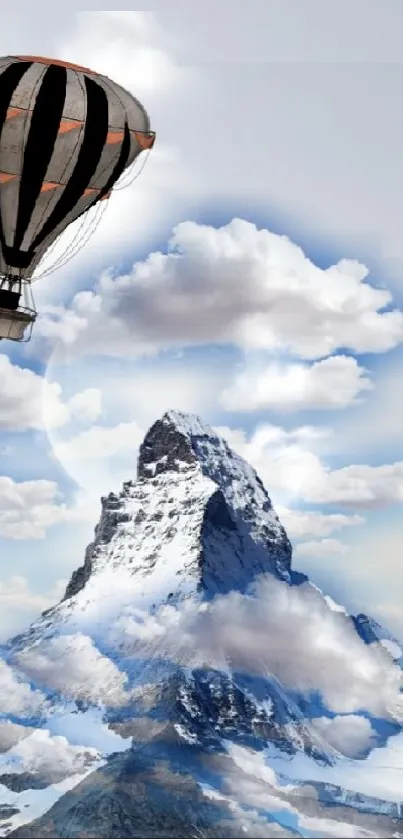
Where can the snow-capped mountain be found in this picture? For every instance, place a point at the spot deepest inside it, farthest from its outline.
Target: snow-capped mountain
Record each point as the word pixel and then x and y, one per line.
pixel 372 632
pixel 173 691
pixel 194 504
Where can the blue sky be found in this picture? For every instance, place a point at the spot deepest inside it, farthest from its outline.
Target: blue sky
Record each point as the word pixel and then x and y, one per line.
pixel 295 135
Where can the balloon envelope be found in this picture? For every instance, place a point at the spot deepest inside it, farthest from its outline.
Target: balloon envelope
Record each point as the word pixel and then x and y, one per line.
pixel 66 136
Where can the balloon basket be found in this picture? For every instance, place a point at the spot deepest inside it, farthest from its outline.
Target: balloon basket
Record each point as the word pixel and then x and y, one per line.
pixel 17 310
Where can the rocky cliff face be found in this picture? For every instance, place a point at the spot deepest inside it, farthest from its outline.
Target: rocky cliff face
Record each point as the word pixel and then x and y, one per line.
pixel 154 744
pixel 373 633
pixel 198 499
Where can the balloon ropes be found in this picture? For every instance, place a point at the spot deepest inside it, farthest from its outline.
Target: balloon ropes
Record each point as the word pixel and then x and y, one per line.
pixel 67 136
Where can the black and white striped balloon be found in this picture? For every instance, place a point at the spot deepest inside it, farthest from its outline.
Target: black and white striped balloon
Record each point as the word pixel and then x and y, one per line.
pixel 66 136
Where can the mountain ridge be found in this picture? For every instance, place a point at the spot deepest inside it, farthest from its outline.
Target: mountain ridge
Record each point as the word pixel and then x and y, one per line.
pixel 196 525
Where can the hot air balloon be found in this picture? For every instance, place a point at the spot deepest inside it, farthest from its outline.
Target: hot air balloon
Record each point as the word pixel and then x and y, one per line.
pixel 67 134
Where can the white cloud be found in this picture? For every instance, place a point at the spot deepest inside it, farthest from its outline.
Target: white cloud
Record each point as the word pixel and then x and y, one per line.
pixel 126 46
pixel 24 395
pixel 360 485
pixel 130 48
pixel 100 442
pixel 29 508
pixel 392 648
pixel 303 523
pixel 180 384
pixel 388 611
pixel 351 735
pixel 373 571
pixel 19 604
pixel 321 549
pixel 100 458
pixel 320 77
pixel 379 775
pixel 16 696
pixel 288 632
pixel 249 780
pixel 285 460
pixel 331 383
pixel 86 406
pixel 11 734
pixel 52 759
pixel 292 470
pixel 236 284
pixel 63 664
pixel 270 435
pixel 334 828
pixel 30 401
pixel 16 593
pixel 378 421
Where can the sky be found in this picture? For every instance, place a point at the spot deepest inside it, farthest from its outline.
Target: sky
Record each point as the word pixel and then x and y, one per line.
pixel 253 274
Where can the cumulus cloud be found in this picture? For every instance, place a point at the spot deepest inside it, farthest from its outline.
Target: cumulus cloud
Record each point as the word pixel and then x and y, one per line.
pixel 108 47
pixel 19 604
pixel 15 593
pixel 293 470
pixel 290 633
pixel 303 523
pixel 334 382
pixel 380 774
pixel 100 442
pixel 29 508
pixel 130 48
pixel 351 735
pixel 146 393
pixel 360 485
pixel 236 284
pixel 321 548
pixel 63 664
pixel 334 828
pixel 30 401
pixel 247 779
pixel 23 396
pixel 51 759
pixel 11 734
pixel 16 695
pixel 86 406
pixel 285 460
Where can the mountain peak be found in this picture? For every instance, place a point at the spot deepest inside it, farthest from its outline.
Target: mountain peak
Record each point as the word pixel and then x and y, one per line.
pixel 167 445
pixel 198 517
pixel 179 441
pixel 197 522
pixel 172 443
pixel 189 424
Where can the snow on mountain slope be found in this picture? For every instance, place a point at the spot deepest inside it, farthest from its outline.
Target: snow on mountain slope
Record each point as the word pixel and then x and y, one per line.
pixel 197 521
pixel 373 633
pixel 135 684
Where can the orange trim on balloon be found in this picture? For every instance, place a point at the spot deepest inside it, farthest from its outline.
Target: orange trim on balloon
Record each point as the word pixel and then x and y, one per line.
pixel 48 185
pixel 39 59
pixel 5 177
pixel 114 137
pixel 69 125
pixel 145 140
pixel 14 112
